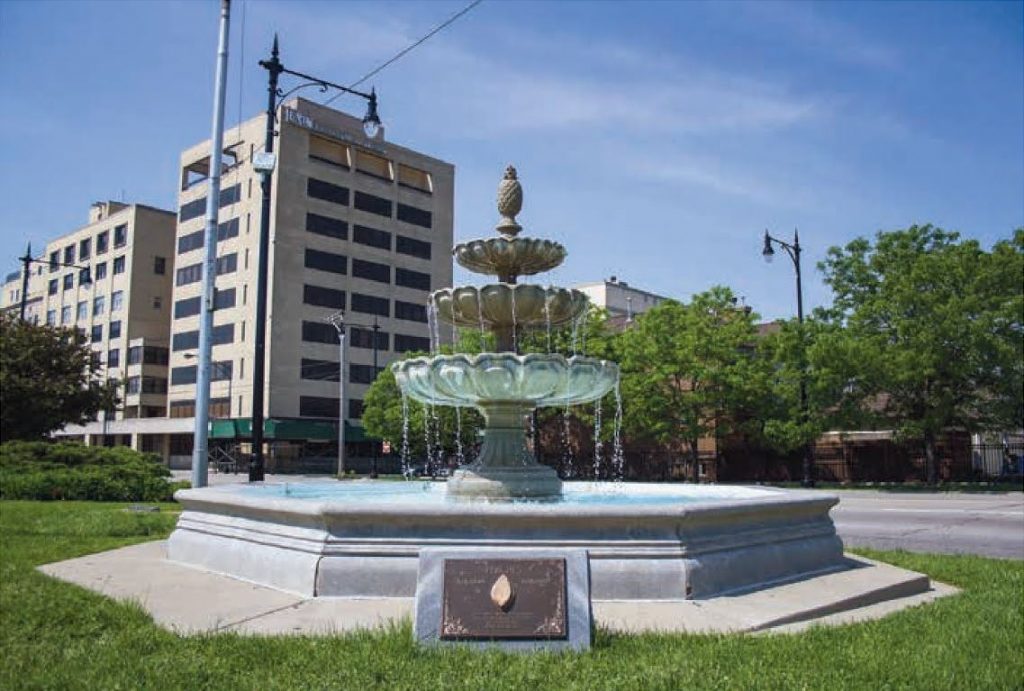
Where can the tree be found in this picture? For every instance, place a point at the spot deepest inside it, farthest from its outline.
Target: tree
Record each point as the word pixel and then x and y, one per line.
pixel 935 323
pixel 689 371
pixel 48 379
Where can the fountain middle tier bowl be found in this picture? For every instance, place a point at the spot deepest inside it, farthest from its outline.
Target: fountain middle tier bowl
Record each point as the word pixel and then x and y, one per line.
pixel 537 379
pixel 502 305
pixel 509 256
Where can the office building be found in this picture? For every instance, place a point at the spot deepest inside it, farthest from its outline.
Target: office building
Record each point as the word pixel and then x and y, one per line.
pixel 622 301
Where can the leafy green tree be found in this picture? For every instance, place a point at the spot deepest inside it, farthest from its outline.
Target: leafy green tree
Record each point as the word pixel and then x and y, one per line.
pixel 689 371
pixel 933 326
pixel 48 379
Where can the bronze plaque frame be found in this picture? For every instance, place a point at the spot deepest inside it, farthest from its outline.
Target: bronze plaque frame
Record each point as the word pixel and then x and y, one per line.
pixel 534 609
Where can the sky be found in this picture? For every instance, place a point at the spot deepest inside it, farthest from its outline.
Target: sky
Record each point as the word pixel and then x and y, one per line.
pixel 656 140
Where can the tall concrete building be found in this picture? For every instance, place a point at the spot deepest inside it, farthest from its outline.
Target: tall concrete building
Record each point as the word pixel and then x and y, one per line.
pixel 123 309
pixel 357 224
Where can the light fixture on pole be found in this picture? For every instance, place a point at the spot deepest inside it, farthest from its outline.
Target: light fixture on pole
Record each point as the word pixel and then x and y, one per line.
pixel 793 250
pixel 264 162
pixel 84 275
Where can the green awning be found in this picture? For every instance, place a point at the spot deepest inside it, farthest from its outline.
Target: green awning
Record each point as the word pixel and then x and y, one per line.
pixel 286 429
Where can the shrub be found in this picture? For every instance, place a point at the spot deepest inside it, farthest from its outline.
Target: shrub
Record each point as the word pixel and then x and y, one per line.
pixel 63 470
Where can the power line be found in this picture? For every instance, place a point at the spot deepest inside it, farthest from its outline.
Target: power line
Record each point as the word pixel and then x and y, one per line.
pixel 408 48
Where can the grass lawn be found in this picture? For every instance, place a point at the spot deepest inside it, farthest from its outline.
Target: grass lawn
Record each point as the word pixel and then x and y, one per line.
pixel 56 635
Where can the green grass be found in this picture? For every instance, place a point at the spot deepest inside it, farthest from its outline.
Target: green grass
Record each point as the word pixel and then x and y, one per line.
pixel 54 635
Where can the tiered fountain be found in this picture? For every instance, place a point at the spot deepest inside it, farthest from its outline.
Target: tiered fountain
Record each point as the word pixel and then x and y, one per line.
pixel 642 541
pixel 505 386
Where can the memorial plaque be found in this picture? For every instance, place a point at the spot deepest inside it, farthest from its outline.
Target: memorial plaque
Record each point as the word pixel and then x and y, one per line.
pixel 504 599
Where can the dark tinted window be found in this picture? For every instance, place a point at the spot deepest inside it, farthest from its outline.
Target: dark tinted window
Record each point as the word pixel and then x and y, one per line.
pixel 417 217
pixel 227 264
pixel 54 284
pixel 97 333
pixel 190 306
pixel 183 375
pixel 192 209
pixel 363 338
pixel 404 343
pixel 325 225
pixel 231 195
pixel 120 235
pixel 115 329
pixel 69 255
pixel 355 408
pixel 101 242
pixel 412 247
pixel 361 374
pixel 323 370
pixel 318 189
pixel 372 237
pixel 318 406
pixel 373 204
pixel 118 265
pixel 323 297
pixel 410 311
pixel 368 304
pixel 159 265
pixel 319 332
pixel 326 261
pixel 371 270
pixel 412 279
pixel 189 340
pixel 194 241
pixel 187 274
pixel 69 281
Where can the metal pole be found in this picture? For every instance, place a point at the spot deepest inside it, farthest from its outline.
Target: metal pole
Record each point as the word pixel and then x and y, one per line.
pixel 808 461
pixel 26 263
pixel 274 69
pixel 337 320
pixel 376 328
pixel 202 420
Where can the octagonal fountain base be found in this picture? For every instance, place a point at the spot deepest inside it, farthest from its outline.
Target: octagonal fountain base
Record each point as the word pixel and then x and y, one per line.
pixel 643 541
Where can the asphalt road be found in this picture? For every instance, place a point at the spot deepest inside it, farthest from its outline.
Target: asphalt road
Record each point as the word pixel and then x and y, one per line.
pixel 990 525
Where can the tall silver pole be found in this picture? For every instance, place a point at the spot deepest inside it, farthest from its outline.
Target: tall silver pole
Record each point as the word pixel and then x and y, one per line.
pixel 338 321
pixel 201 434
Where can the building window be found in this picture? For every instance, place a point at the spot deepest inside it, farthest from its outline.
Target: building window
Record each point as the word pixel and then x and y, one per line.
pixel 227 264
pixel 371 271
pixel 183 375
pixel 118 265
pixel 193 241
pixel 99 305
pixel 54 261
pixel 372 204
pixel 328 151
pixel 159 265
pixel 115 329
pixel 362 374
pixel 51 317
pixel 326 261
pixel 221 370
pixel 69 255
pixel 355 408
pixel 65 314
pixel 69 281
pixel 189 340
pixel 120 235
pixel 323 297
pixel 410 311
pixel 319 332
pixel 154 385
pixel 151 355
pixel 84 249
pixel 414 179
pixel 113 357
pixel 187 308
pixel 52 288
pixel 101 242
pixel 97 333
pixel 158 302
pixel 134 355
pixel 101 271
pixel 116 301
pixel 372 237
pixel 412 279
pixel 405 343
pixel 192 209
pixel 374 165
pixel 131 385
pixel 363 338
pixel 231 195
pixel 417 217
pixel 182 409
pixel 325 225
pixel 319 370
pixel 369 304
pixel 318 189
pixel 412 247
pixel 318 406
pixel 83 310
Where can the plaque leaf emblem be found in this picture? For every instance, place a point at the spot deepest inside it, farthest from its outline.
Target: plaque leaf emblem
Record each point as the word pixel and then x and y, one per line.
pixel 501 593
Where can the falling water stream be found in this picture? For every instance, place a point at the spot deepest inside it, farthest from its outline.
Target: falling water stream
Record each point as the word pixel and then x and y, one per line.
pixel 598 444
pixel 405 436
pixel 618 459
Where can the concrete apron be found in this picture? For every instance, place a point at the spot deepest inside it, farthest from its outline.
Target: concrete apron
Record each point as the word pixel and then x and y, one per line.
pixel 190 600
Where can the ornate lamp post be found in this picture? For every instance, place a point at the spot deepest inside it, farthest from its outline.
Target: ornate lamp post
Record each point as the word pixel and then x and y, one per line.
pixel 793 250
pixel 264 163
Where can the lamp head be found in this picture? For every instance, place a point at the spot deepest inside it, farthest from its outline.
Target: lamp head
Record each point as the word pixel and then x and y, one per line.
pixel 768 253
pixel 371 121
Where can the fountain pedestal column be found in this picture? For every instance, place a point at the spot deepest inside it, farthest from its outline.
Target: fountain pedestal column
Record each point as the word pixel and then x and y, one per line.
pixel 505 468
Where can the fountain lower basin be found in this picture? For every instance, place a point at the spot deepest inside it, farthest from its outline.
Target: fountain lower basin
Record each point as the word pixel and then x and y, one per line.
pixel 644 541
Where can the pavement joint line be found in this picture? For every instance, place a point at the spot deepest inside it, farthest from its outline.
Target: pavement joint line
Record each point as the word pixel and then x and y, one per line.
pixel 244 620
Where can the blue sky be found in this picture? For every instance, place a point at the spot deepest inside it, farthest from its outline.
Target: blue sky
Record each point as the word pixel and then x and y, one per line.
pixel 655 140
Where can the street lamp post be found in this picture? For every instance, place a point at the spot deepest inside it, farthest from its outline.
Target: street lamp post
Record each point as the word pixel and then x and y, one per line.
pixel 337 320
pixel 793 250
pixel 265 165
pixel 84 276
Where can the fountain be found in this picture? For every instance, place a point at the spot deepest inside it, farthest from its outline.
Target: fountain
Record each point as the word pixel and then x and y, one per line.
pixel 641 541
pixel 506 386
